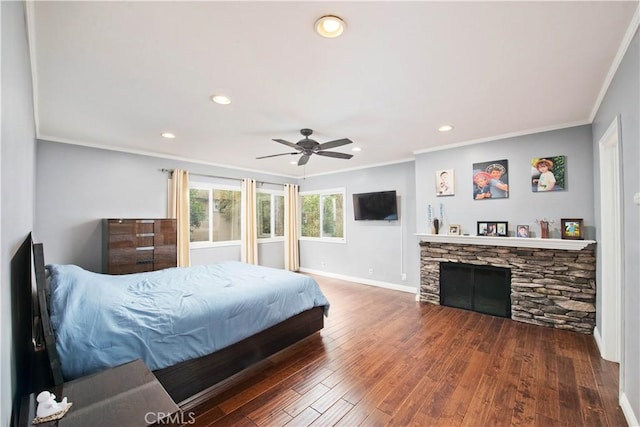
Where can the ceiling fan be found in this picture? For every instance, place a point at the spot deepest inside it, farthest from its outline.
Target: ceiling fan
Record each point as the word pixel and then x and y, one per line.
pixel 308 146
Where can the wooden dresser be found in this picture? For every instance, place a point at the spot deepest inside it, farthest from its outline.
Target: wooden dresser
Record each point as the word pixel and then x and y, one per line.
pixel 137 245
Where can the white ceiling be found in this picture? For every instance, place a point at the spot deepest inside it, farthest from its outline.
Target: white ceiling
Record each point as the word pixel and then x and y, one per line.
pixel 118 74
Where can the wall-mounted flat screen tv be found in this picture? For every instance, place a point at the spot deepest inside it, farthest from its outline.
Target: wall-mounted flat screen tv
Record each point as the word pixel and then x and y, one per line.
pixel 380 205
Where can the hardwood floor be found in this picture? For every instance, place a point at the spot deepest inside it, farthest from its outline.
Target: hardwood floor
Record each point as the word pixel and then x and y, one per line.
pixel 384 359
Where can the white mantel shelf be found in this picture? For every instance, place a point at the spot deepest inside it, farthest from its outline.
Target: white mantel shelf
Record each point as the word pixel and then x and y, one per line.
pixel 521 242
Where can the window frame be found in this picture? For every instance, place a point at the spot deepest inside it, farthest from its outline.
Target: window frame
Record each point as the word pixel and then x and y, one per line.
pixel 210 187
pixel 342 191
pixel 272 224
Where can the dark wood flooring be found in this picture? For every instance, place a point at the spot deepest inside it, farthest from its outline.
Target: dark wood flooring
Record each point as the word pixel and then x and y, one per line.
pixel 385 359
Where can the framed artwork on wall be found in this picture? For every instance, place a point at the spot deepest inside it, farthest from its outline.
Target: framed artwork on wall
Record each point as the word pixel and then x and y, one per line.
pixel 548 174
pixel 572 228
pixel 445 182
pixel 491 180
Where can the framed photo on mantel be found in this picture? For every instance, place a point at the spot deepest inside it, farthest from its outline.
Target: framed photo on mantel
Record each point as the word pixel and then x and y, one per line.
pixel 493 228
pixel 572 228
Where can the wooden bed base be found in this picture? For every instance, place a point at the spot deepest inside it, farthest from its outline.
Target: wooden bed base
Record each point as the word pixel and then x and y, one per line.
pixel 183 381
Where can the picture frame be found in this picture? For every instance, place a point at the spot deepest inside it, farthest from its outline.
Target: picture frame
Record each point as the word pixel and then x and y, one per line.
pixel 445 181
pixel 493 228
pixel 572 228
pixel 491 180
pixel 522 231
pixel 548 173
pixel 454 229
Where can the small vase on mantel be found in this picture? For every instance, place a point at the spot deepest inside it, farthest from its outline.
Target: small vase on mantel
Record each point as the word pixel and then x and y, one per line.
pixel 544 229
pixel 436 226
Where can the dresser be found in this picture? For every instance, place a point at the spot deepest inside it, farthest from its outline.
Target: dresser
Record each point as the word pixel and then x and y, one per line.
pixel 137 245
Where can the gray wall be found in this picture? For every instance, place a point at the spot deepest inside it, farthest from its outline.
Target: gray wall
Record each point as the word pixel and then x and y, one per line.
pixel 16 179
pixel 388 247
pixel 523 206
pixel 623 98
pixel 77 186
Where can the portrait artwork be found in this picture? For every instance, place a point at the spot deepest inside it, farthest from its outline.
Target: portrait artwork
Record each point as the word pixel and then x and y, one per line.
pixel 548 173
pixel 491 180
pixel 444 182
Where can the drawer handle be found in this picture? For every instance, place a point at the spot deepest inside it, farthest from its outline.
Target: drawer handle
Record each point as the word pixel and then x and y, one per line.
pixel 145 234
pixel 145 261
pixel 145 248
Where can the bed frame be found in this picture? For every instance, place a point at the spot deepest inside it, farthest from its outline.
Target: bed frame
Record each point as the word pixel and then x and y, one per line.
pixel 185 382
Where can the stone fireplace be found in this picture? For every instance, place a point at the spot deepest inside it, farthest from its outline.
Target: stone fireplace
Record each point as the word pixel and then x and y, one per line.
pixel 552 280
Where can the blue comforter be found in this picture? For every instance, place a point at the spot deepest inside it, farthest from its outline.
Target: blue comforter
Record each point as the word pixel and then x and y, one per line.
pixel 168 316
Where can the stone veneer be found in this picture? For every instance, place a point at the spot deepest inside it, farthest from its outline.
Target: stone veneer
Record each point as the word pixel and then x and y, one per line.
pixel 549 287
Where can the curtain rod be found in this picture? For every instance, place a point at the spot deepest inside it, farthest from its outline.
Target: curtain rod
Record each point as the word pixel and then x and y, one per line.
pixel 221 177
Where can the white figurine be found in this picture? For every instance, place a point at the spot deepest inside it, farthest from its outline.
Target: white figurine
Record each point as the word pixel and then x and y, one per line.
pixel 47 405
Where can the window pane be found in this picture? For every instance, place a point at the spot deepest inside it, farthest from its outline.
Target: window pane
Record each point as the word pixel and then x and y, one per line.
pixel 278 215
pixel 198 215
pixel 226 215
pixel 332 214
pixel 310 215
pixel 263 202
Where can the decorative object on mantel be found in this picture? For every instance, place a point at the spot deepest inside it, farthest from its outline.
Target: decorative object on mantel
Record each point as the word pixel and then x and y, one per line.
pixel 544 227
pixel 522 231
pixel 572 228
pixel 454 229
pixel 435 222
pixel 48 409
pixel 494 228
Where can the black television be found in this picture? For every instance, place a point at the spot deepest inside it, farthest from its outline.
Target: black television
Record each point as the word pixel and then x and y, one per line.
pixel 380 205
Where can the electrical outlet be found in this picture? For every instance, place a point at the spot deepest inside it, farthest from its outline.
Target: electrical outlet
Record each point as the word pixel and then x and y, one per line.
pixel 636 198
pixel 322 264
pixel 371 272
pixel 404 277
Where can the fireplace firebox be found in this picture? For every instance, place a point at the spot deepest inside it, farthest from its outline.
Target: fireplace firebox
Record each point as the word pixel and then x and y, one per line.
pixel 481 288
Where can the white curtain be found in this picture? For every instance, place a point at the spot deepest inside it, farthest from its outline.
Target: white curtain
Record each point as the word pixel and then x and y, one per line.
pixel 249 231
pixel 178 208
pixel 291 248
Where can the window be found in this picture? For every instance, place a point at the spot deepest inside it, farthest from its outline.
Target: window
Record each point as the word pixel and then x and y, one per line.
pixel 322 215
pixel 270 210
pixel 214 214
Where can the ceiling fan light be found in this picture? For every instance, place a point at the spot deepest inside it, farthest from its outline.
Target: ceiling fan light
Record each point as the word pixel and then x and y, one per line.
pixel 330 26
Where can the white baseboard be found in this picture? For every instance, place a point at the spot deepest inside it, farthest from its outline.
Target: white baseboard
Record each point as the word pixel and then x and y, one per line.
pixel 627 410
pixel 598 338
pixel 412 289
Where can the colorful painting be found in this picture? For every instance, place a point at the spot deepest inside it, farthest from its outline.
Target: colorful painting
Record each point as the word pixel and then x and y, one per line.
pixel 548 173
pixel 491 180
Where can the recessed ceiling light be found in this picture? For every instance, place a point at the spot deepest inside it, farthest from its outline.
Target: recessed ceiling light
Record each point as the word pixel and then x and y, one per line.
pixel 445 128
pixel 293 162
pixel 221 99
pixel 356 149
pixel 167 135
pixel 330 26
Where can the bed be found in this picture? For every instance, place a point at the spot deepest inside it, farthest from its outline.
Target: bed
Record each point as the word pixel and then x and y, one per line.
pixel 166 318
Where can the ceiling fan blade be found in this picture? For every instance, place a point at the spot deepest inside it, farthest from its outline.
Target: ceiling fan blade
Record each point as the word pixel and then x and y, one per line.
pixel 288 144
pixel 334 144
pixel 303 160
pixel 334 154
pixel 275 155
